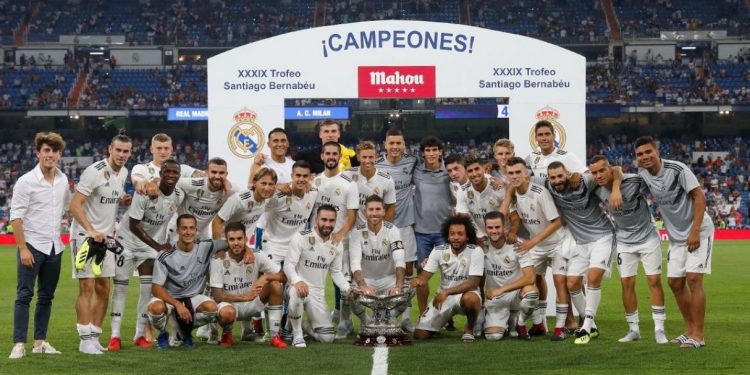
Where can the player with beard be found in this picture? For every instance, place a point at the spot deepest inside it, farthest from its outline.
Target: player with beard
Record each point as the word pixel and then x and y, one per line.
pixel 312 256
pixel 509 282
pixel 461 265
pixel 243 289
pixel 143 234
pixel 246 206
pixel 204 196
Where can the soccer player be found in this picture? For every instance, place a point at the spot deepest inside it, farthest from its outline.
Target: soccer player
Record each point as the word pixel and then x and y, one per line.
pixel 682 204
pixel 377 255
pixel 312 255
pixel 461 265
pixel 458 178
pixel 338 190
pixel 278 161
pixel 246 206
pixel 637 239
pixel 546 245
pixel 400 167
pixel 244 289
pixel 502 151
pixel 143 174
pixel 329 131
pixel 94 208
pixel 478 197
pixel 594 236
pixel 143 234
pixel 370 180
pixel 204 196
pixel 538 161
pixel 431 185
pixel 178 283
pixel 288 213
pixel 509 282
pixel 40 198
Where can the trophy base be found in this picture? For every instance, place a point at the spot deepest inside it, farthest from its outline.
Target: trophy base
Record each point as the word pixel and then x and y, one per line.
pixel 382 340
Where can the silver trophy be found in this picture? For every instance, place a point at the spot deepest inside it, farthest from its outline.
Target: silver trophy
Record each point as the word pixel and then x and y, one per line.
pixel 382 328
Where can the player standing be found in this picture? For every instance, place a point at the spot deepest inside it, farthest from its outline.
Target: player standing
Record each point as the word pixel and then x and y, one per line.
pixel 94 208
pixel 538 161
pixel 461 265
pixel 682 204
pixel 312 256
pixel 547 244
pixel 143 234
pixel 637 239
pixel 246 206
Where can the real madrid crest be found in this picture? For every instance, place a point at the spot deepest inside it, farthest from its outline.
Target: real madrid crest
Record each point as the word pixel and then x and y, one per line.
pixel 462 262
pixel 200 193
pixel 552 115
pixel 355 177
pixel 385 243
pixel 151 171
pixel 317 182
pixel 246 137
pixel 365 234
pixel 493 201
pixel 250 268
pixel 376 191
pixel 337 191
pixel 531 206
pixel 311 240
pixel 470 194
pixel 106 175
pixel 331 251
pixel 446 256
pixel 289 200
pixel 226 263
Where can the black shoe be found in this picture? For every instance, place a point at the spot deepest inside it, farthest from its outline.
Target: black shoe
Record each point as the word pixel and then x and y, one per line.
pixel 450 326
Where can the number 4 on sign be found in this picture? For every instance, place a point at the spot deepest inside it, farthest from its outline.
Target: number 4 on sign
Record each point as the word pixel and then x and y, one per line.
pixel 502 111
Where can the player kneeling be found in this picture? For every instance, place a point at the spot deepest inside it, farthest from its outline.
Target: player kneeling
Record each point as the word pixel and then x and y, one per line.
pixel 179 278
pixel 461 265
pixel 509 282
pixel 240 288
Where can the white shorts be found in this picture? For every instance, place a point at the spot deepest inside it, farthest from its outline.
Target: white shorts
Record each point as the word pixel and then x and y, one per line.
pixel 245 310
pixel 199 319
pixel 680 261
pixel 410 243
pixel 597 254
pixel 553 258
pixel 108 265
pixel 497 310
pixel 128 260
pixel 433 319
pixel 649 253
pixel 274 250
pixel 316 308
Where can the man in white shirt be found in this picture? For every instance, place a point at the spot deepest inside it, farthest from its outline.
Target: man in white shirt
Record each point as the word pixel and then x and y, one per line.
pixel 94 208
pixel 544 134
pixel 40 198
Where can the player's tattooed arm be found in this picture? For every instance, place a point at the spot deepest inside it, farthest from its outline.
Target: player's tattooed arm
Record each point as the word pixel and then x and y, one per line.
pixel 390 212
pixel 515 226
pixel 527 279
pixel 471 284
pixel 351 219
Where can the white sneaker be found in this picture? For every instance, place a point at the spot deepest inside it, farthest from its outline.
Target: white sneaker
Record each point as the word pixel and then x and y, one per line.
pixel 661 337
pixel 203 332
pixel 299 342
pixel 99 345
pixel 344 329
pixel 19 351
pixel 88 347
pixel 631 336
pixel 45 348
pixel 407 325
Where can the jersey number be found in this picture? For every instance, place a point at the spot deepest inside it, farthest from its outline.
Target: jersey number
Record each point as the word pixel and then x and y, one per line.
pixel 120 260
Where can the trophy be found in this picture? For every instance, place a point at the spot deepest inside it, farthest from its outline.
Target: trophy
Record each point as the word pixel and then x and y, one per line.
pixel 382 329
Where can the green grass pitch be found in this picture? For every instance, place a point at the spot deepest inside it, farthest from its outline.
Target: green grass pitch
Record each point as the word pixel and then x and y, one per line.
pixel 727 332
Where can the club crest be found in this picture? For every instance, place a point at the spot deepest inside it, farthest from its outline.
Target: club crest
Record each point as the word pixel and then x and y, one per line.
pixel 246 137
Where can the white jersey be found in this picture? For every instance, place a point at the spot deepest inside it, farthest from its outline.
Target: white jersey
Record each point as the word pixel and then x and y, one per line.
pixel 286 214
pixel 455 268
pixel 477 204
pixel 310 259
pixel 150 171
pixel 340 192
pixel 456 190
pixel 380 184
pixel 376 254
pixel 103 188
pixel 537 210
pixel 237 277
pixel 244 208
pixel 200 201
pixel 539 162
pixel 154 216
pixel 283 176
pixel 504 265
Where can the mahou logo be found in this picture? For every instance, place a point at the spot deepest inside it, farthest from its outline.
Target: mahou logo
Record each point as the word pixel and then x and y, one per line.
pixel 396 81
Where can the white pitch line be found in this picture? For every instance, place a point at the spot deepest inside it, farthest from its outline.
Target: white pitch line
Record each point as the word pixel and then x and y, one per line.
pixel 380 361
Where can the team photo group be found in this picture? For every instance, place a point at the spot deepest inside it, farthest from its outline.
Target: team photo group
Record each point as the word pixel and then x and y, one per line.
pixel 376 221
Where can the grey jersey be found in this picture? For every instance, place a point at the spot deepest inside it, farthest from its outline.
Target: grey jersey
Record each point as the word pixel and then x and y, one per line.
pixel 581 212
pixel 183 273
pixel 634 224
pixel 670 189
pixel 401 172
pixel 432 197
